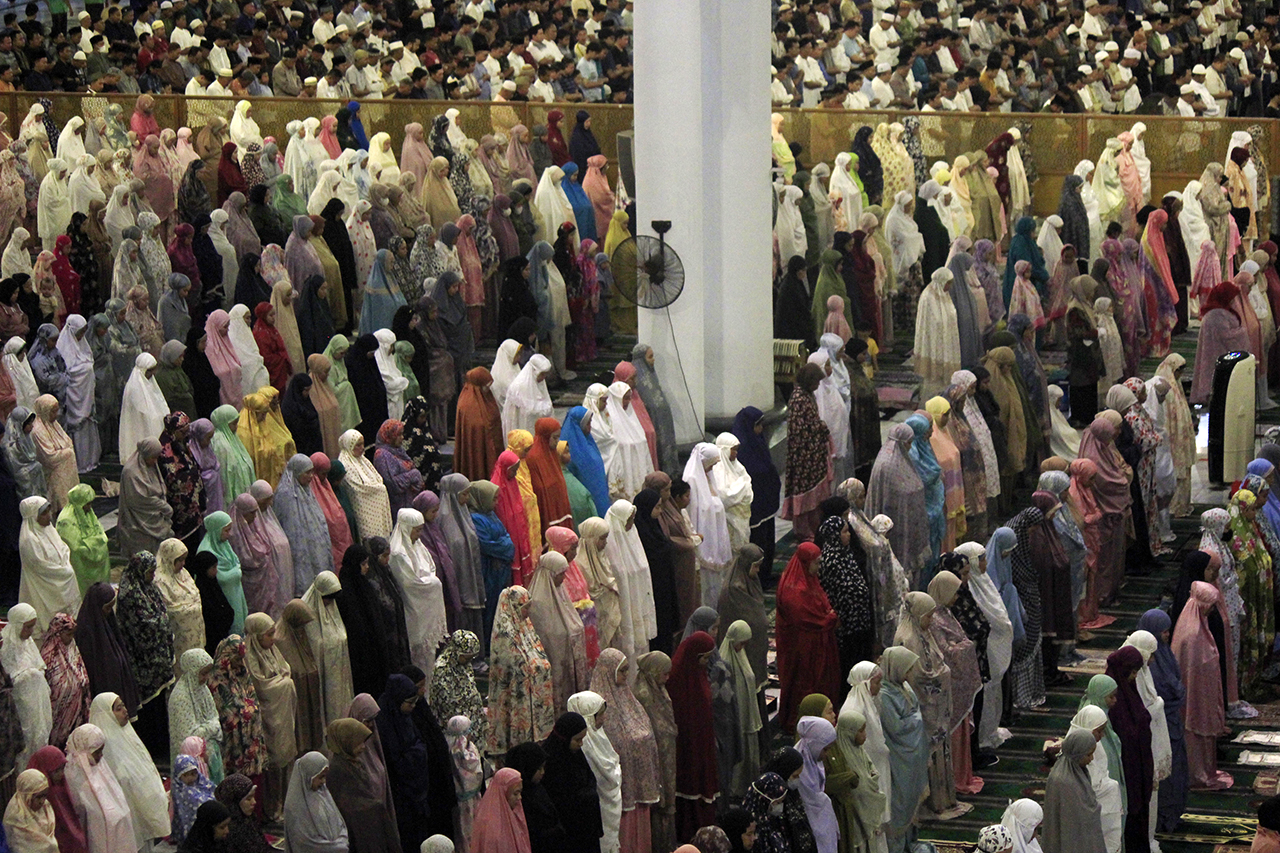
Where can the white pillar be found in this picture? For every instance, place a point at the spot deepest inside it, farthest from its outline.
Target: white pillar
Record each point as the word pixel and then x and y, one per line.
pixel 702 159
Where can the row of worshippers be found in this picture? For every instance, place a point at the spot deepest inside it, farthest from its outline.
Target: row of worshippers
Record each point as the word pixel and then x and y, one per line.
pixel 985 612
pixel 480 209
pixel 1147 261
pixel 229 591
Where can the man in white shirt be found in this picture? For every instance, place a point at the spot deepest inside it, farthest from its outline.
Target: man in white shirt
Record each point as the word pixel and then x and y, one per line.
pixel 1093 24
pixel 1199 74
pixel 331 85
pixel 198 85
pixel 1215 81
pixel 182 37
pixel 543 45
pixel 406 62
pixel 979 33
pixel 812 81
pixel 1123 81
pixel 541 89
pixel 221 86
pixel 357 74
pixel 881 91
pixel 884 39
pixel 323 29
pixel 1085 91
pixel 1186 101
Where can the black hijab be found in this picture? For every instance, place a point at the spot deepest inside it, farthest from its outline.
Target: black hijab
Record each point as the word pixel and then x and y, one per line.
pixel 408 767
pixel 391 600
pixel 205 386
pixel 662 568
pixel 201 837
pixel 339 242
pixel 571 785
pixel 366 379
pixel 266 221
pixel 869 167
pixel 420 364
pixel 214 607
pixel 251 287
pixel 300 415
pixel 246 833
pixel 358 604
pixel 546 832
pixel 516 300
pixel 583 144
pixel 441 796
pixel 208 261
pixel 315 322
pixel 793 306
pixel 106 658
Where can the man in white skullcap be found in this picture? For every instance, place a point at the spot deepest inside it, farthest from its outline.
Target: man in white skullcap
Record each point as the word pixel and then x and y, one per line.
pixel 885 39
pixel 1123 82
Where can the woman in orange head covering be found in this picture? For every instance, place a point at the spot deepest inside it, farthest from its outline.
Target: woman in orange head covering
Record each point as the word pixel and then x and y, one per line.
pixel 546 477
pixel 478 430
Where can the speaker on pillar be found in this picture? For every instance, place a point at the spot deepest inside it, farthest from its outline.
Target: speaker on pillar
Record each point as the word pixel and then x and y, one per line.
pixel 1231 417
pixel 627 161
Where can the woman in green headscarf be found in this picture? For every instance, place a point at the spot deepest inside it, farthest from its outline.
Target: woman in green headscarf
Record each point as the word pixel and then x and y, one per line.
pixel 348 408
pixel 217 527
pixel 853 785
pixel 830 283
pixel 287 202
pixel 580 501
pixel 79 527
pixel 1101 693
pixel 337 473
pixel 237 467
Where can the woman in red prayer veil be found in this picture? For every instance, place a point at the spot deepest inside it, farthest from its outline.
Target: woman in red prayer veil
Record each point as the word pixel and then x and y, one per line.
pixel 509 508
pixel 808 660
pixel 697 782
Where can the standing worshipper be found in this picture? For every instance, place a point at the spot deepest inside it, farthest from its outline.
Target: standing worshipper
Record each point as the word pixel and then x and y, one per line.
pixel 814 735
pixel 68 680
pixel 48 581
pixel 144 625
pixel 697 783
pixel 896 490
pixel 808 470
pixel 559 628
pixel 81 530
pixel 1199 662
pixel 416 572
pixel 808 657
pixel 1072 817
pixel 102 645
pixel 1132 723
pixel 192 712
pixel 295 647
pixel 519 675
pixel 364 617
pixel 659 554
pixel 244 747
pixel 407 759
pixel 132 765
pixel 78 397
pixel 54 449
pixel 106 814
pixel 277 703
pixel 904 731
pixel 20 657
pixel 312 821
pixel 218 530
pixel 327 637
pixel 361 796
pixel 845 584
pixel 1167 679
